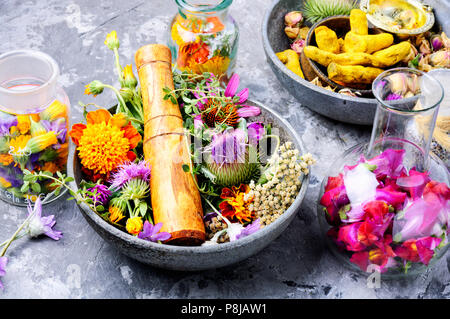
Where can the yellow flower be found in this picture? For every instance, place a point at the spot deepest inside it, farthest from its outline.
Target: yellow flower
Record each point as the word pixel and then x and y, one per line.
pixel 95 88
pixel 134 225
pixel 23 123
pixel 111 41
pixel 129 80
pixel 41 142
pixel 18 144
pixel 54 111
pixel 115 214
pixel 4 183
pixel 6 159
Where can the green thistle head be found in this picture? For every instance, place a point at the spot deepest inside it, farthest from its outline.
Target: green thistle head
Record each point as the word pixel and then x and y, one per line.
pixel 316 10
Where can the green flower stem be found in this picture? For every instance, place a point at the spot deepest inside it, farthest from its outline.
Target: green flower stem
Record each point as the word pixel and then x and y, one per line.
pixel 119 97
pixel 118 66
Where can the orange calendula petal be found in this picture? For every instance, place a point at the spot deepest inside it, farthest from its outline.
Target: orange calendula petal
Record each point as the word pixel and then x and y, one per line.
pixel 98 116
pixel 119 120
pixel 77 132
pixel 132 135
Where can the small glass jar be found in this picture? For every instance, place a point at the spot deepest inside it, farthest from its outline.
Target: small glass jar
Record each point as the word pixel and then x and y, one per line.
pixel 203 37
pixel 34 118
pixel 408 104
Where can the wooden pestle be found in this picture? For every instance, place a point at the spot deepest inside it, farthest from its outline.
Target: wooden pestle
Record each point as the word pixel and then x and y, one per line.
pixel 175 197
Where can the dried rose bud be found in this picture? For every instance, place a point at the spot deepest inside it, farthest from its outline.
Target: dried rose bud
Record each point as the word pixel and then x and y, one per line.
pixel 298 45
pixel 436 42
pixel 303 32
pixel 291 32
pixel 441 59
pixel 398 83
pixel 425 47
pixel 293 18
pixel 412 54
pixel 424 63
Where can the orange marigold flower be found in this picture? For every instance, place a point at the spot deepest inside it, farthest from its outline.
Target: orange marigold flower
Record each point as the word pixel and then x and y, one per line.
pixel 6 159
pixel 103 143
pixel 235 204
pixel 192 53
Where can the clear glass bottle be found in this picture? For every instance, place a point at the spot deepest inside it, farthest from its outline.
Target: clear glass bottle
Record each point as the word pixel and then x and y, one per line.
pixel 408 104
pixel 203 37
pixel 34 118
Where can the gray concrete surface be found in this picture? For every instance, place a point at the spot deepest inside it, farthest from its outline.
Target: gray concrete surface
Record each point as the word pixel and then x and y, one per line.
pixel 82 265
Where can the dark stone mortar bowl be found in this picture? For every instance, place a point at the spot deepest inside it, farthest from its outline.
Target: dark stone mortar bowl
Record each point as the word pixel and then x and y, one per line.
pixel 200 257
pixel 337 106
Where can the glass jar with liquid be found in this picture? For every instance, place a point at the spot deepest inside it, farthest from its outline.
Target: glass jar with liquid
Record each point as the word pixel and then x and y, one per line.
pixel 34 118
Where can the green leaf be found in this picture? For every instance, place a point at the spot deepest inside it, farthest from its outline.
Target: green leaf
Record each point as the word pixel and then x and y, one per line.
pixel 69 179
pixel 186 168
pixel 25 187
pixel 100 208
pixel 36 187
pixel 143 208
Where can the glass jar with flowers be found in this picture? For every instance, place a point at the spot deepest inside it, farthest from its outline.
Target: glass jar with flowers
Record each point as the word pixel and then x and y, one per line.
pixel 33 124
pixel 385 205
pixel 203 37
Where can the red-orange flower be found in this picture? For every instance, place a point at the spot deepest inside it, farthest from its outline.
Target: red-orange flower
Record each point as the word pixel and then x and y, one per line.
pixel 235 205
pixel 105 141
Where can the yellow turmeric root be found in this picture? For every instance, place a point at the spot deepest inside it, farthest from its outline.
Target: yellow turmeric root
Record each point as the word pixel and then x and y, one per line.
pixel 291 59
pixel 392 55
pixel 325 58
pixel 358 22
pixel 327 39
pixel 352 74
pixel 367 43
pixel 380 59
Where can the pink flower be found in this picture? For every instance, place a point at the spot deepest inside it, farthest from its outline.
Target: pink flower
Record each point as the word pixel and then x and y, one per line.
pixel 390 195
pixel 383 255
pixel 420 219
pixel 361 259
pixel 389 163
pixel 414 184
pixel 248 111
pixel 349 236
pixel 420 250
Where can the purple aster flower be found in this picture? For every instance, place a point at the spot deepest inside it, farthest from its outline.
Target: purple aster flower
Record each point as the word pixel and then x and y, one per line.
pixel 39 225
pixel 228 146
pixel 102 194
pixel 250 229
pixel 6 121
pixel 3 262
pixel 151 232
pixel 129 171
pixel 393 96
